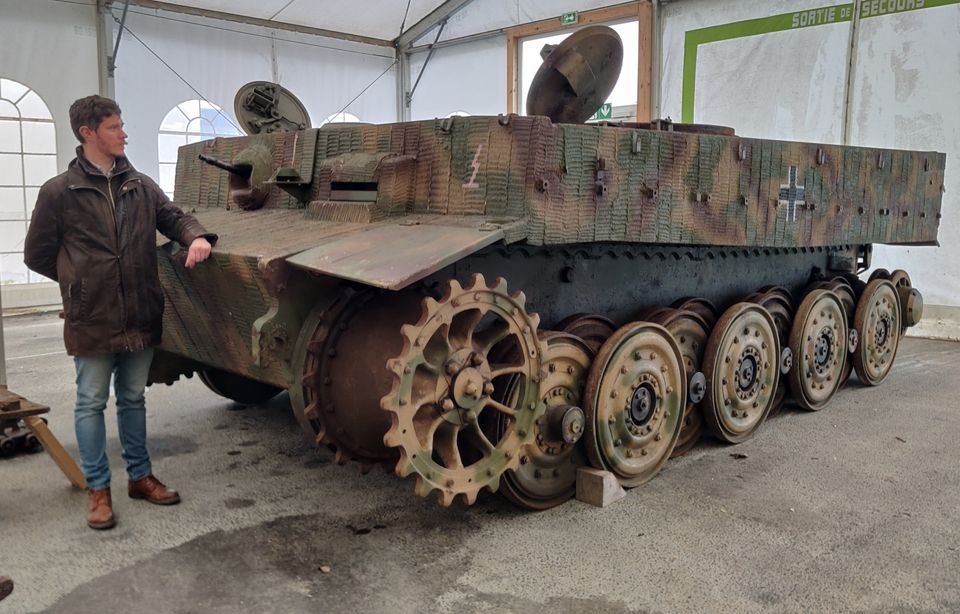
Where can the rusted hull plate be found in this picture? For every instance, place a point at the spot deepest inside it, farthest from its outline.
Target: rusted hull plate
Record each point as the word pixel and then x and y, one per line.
pixel 266 233
pixel 392 256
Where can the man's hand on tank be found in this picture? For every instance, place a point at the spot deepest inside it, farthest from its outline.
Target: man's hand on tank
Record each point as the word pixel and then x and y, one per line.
pixel 199 251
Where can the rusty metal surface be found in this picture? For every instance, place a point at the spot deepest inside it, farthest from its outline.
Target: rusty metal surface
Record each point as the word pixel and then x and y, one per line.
pixel 691 331
pixel 778 302
pixel 393 256
pixel 345 375
pixel 266 233
pixel 547 473
pixel 446 380
pixel 238 284
pixel 577 75
pixel 670 126
pixel 591 328
pixel 263 106
pixel 210 312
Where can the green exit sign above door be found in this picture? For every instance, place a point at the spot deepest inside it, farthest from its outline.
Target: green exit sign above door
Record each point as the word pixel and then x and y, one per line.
pixel 604 112
pixel 568 19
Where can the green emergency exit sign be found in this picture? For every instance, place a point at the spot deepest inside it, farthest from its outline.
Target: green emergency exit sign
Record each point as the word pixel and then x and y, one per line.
pixel 568 19
pixel 604 112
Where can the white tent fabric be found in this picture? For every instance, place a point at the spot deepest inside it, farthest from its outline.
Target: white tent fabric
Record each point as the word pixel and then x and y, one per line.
pixel 326 75
pixel 490 15
pixel 380 18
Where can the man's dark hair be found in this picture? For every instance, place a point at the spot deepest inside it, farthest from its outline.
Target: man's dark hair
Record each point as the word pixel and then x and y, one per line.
pixel 90 112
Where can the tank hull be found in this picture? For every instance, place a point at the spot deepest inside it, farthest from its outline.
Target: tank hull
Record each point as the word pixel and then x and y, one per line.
pixel 214 317
pixel 475 299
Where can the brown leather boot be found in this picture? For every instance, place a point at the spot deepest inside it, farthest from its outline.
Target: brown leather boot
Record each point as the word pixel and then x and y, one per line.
pixel 100 509
pixel 6 587
pixel 153 490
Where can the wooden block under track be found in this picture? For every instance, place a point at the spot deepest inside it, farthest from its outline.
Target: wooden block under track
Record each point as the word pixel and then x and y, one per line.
pixel 598 487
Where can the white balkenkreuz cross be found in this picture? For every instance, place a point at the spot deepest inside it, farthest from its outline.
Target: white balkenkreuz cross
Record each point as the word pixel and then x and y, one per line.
pixel 791 194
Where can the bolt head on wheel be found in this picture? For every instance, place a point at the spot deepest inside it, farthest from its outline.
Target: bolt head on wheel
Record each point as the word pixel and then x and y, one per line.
pixel 853 340
pixel 786 360
pixel 698 387
pixel 572 424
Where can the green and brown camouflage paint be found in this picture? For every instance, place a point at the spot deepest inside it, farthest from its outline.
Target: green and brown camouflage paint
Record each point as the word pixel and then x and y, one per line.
pixel 534 181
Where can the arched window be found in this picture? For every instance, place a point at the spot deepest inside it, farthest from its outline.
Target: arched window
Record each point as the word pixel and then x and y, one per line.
pixel 458 114
pixel 188 122
pixel 28 157
pixel 341 118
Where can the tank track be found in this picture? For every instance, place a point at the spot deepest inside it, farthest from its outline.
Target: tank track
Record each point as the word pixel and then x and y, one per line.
pixel 466 417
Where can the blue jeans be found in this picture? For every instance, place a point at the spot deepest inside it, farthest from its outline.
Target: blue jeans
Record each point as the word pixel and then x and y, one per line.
pixel 129 371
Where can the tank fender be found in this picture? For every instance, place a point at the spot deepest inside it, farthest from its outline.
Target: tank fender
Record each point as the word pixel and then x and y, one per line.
pixel 395 254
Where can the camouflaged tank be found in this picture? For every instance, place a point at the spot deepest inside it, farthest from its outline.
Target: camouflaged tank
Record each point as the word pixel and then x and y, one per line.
pixel 494 302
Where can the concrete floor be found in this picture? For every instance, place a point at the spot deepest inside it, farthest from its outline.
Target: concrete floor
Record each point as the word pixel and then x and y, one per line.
pixel 854 508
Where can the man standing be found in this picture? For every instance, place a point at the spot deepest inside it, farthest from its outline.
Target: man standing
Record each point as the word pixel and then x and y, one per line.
pixel 94 232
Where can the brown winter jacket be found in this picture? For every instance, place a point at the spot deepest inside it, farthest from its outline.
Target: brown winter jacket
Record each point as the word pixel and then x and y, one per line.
pixel 97 238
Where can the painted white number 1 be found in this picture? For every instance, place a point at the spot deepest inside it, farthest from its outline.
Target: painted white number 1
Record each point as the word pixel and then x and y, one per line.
pixel 472 184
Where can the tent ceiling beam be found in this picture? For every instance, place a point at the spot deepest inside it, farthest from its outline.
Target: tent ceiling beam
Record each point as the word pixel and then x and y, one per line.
pixel 116 46
pixel 434 18
pixel 409 95
pixel 255 21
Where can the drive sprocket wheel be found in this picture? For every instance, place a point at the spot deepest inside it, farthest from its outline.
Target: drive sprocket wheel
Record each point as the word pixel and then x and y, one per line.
pixel 307 355
pixel 547 475
pixel 591 328
pixel 741 365
pixel 444 383
pixel 877 321
pixel 818 340
pixel 691 333
pixel 634 400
